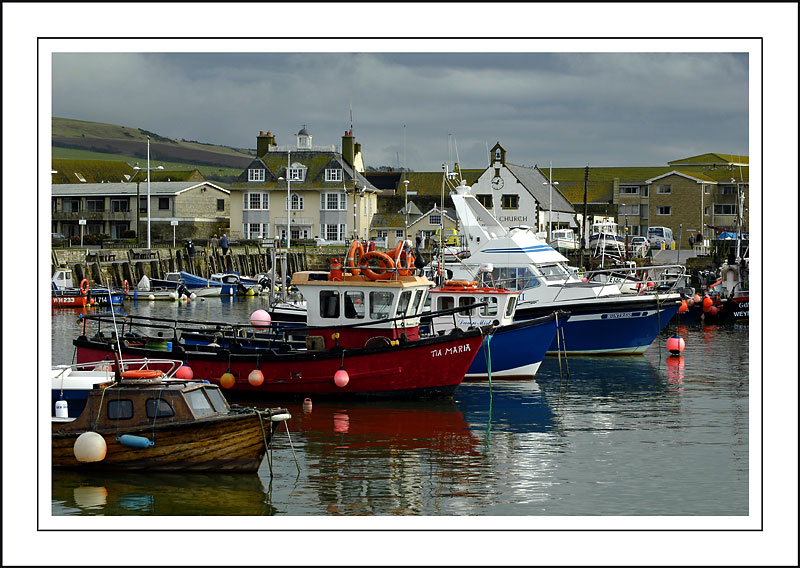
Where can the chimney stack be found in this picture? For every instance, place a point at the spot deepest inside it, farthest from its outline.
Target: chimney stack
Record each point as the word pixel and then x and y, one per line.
pixel 348 147
pixel 263 142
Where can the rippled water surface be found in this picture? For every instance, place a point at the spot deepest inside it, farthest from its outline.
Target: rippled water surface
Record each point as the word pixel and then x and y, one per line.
pixel 643 435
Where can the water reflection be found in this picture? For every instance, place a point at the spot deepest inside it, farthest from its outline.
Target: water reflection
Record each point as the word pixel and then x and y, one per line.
pixel 82 493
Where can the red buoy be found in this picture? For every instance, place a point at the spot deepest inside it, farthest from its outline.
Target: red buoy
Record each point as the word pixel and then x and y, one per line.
pixel 684 306
pixel 675 345
pixel 341 378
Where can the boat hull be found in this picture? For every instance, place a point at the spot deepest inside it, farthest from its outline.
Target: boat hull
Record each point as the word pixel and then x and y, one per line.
pixel 228 443
pixel 431 367
pixel 68 301
pixel 612 327
pixel 515 351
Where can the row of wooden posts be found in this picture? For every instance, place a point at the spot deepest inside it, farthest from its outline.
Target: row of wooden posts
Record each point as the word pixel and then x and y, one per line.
pixel 101 265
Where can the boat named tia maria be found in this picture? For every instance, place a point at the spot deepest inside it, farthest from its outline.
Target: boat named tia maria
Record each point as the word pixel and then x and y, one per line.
pixel 362 340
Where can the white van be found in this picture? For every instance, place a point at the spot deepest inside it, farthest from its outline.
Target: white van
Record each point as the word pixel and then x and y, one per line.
pixel 658 235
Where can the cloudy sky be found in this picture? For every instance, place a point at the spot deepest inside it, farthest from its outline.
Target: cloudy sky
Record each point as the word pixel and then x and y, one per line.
pixel 422 109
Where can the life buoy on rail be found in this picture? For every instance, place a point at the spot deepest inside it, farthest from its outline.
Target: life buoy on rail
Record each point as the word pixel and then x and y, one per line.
pixel 141 374
pixel 405 268
pixel 126 287
pixel 384 260
pixel 355 246
pixel 460 284
pixel 84 286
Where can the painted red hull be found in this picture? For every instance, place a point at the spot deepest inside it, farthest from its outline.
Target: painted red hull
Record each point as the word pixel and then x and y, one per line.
pixel 61 301
pixel 427 367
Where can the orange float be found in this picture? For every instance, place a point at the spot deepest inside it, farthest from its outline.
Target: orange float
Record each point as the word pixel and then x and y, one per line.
pixel 384 260
pixel 355 246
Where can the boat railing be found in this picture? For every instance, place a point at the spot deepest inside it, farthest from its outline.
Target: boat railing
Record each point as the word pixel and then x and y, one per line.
pixel 662 276
pixel 126 364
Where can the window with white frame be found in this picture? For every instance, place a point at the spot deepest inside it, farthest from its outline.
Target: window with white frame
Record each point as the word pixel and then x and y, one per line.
pixel 333 201
pixel 381 233
pixel 724 209
pixel 333 174
pixel 625 209
pixel 664 188
pixel 728 190
pixel 333 232
pixel 706 189
pixel 256 230
pixel 256 174
pixel 399 233
pixel 435 219
pixel 297 202
pixel 629 189
pixel 297 173
pixel 706 210
pixel 664 210
pixel 254 200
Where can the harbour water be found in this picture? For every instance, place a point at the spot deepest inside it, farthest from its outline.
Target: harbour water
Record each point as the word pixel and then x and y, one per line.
pixel 652 435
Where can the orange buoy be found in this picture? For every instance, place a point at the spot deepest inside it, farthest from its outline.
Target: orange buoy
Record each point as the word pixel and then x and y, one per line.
pixel 684 307
pixel 141 374
pixel 675 344
pixel 227 380
pixel 385 262
pixel 84 286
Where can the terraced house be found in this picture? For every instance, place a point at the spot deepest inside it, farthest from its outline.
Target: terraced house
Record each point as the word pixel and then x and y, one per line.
pixel 699 194
pixel 311 191
pixel 111 198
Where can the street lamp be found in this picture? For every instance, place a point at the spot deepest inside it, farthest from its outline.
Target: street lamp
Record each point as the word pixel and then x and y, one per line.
pixel 550 205
pixel 148 168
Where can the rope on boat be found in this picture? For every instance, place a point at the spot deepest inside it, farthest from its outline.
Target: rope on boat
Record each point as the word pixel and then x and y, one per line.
pixel 264 437
pixel 566 361
pixel 558 350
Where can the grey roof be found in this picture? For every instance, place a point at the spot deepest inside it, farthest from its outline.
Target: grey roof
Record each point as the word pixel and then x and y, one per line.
pixel 303 131
pixel 156 188
pixel 536 183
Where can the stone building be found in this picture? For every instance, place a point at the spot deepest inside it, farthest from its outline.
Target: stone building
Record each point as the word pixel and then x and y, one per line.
pixel 324 185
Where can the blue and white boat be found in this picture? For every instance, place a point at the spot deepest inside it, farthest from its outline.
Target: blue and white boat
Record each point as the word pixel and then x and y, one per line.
pixel 511 350
pixel 603 320
pixel 234 284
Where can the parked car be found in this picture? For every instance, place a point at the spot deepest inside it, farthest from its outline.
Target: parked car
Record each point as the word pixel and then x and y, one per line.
pixel 638 244
pixel 57 236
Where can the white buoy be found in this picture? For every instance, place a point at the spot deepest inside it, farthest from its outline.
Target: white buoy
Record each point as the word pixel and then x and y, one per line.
pixel 90 447
pixel 151 297
pixel 62 410
pixel 193 296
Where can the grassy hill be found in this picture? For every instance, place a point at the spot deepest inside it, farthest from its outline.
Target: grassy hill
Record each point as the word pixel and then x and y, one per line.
pixel 78 139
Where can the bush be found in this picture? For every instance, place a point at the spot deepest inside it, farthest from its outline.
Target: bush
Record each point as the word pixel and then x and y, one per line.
pixel 94 239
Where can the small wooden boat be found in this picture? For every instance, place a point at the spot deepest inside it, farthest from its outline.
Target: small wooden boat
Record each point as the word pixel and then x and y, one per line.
pixel 145 420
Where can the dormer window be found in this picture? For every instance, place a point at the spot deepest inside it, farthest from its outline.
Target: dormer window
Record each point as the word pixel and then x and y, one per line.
pixel 333 174
pixel 256 175
pixel 297 173
pixel 497 155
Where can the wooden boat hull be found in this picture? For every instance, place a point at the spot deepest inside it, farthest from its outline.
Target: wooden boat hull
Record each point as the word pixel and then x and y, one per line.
pixel 228 443
pixel 430 367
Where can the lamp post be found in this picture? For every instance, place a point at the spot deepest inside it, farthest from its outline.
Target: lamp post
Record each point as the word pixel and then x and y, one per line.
pixel 288 200
pixel 148 168
pixel 550 205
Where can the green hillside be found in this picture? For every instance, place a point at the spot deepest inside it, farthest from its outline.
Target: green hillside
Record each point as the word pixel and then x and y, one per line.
pixel 78 139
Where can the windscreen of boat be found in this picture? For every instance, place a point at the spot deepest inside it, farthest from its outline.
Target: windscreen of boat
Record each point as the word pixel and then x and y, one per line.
pixel 515 277
pixel 380 305
pixel 415 307
pixel 199 402
pixel 552 272
pixel 402 305
pixel 490 309
pixel 217 400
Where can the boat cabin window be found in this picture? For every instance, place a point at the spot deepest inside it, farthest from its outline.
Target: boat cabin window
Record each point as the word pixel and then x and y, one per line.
pixel 445 303
pixel 198 402
pixel 490 309
pixel 217 400
pixel 157 407
pixel 120 409
pixel 173 277
pixel 380 305
pixel 514 277
pixel 466 301
pixel 329 303
pixel 553 272
pixel 416 305
pixel 512 302
pixel 402 305
pixel 354 305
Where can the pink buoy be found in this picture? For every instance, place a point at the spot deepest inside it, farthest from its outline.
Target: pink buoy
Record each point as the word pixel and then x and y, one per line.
pixel 675 345
pixel 341 378
pixel 256 377
pixel 260 318
pixel 307 405
pixel 184 372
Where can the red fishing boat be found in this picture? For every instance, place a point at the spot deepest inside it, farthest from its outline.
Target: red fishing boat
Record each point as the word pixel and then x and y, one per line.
pixel 362 340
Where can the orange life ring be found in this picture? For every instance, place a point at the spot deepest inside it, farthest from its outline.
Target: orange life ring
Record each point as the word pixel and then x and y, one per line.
pixel 403 251
pixel 84 286
pixel 460 284
pixel 141 374
pixel 386 264
pixel 126 287
pixel 355 246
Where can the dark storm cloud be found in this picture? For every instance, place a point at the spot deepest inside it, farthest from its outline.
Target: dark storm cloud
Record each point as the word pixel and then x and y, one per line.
pixel 571 108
